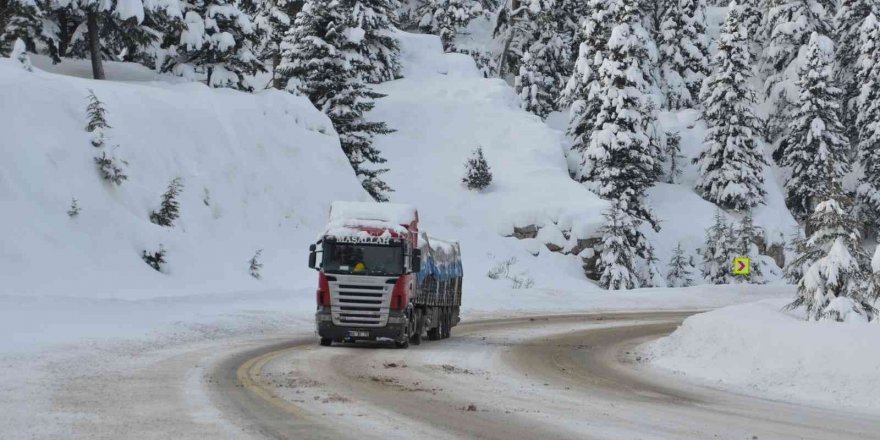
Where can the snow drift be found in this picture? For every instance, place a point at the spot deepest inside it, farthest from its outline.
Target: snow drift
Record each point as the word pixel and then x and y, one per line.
pixel 756 348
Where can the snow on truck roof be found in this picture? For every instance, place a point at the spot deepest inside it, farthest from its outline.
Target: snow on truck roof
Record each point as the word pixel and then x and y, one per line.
pixel 396 213
pixel 355 218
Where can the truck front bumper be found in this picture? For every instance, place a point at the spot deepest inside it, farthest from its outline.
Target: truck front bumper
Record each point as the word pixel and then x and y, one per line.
pixel 393 330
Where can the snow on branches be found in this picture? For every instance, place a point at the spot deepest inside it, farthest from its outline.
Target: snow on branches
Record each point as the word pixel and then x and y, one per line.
pixel 731 164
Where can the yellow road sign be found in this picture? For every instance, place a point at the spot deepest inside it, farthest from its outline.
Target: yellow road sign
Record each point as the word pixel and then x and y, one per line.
pixel 742 266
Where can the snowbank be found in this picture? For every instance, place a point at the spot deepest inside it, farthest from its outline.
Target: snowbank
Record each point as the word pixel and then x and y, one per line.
pixel 258 172
pixel 756 348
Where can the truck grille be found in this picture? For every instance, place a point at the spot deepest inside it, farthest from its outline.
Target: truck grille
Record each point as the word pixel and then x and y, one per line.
pixel 360 301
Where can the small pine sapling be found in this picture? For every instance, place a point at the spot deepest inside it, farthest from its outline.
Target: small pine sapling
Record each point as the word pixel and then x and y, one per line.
pixel 256 265
pixel 745 237
pixel 74 209
pixel 97 124
pixel 717 256
pixel 111 168
pixel 681 269
pixel 478 175
pixel 155 259
pixel 170 209
pixel 617 257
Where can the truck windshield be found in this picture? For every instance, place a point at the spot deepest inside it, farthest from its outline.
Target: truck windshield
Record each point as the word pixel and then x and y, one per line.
pixel 362 259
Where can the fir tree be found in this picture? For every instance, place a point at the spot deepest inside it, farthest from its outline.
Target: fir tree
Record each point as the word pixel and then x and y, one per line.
pixel 170 208
pixel 836 265
pixel 681 269
pixel 545 65
pixel 816 133
pixel 321 62
pixel 717 252
pixel 616 257
pixel 111 168
pixel 97 124
pixel 745 236
pixel 868 121
pixel 154 259
pixel 848 25
pixel 216 41
pixel 74 209
pixel 731 164
pixel 622 156
pixel 478 175
pixel 254 265
pixel 786 32
pixel 445 17
pixel 684 52
pixel 379 49
pixel 20 20
pixel 582 89
pixel 272 19
pixel 673 156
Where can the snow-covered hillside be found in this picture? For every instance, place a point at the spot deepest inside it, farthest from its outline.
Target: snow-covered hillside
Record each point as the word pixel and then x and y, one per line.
pixel 243 159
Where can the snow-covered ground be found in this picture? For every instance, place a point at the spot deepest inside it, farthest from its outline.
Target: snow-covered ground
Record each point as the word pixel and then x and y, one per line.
pixel 756 348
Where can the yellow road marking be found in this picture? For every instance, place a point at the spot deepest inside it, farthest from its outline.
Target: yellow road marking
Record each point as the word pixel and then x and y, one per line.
pixel 249 376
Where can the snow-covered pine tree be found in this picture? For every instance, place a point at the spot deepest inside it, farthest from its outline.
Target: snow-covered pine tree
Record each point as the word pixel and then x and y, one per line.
pixel 478 175
pixel 622 157
pixel 672 156
pixel 216 43
pixel 848 24
pixel 581 91
pixel 170 208
pixel 446 17
pixel 20 20
pixel 616 256
pixel 373 20
pixel 97 116
pixel 785 32
pixel 154 259
pixel 868 121
pixel 320 60
pixel 110 168
pixel 816 134
pixel 545 65
pixel 731 164
pixel 74 209
pixel 717 252
pixel 836 264
pixel 255 266
pixel 875 268
pixel 681 270
pixel 272 19
pixel 745 235
pixel 684 52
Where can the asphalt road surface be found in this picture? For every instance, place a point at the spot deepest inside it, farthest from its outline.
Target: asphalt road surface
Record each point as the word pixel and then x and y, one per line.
pixel 544 377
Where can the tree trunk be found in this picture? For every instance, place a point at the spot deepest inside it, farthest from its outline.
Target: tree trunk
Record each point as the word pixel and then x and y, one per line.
pixel 95 45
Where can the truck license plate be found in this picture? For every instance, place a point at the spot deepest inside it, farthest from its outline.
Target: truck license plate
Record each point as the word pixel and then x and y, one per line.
pixel 359 334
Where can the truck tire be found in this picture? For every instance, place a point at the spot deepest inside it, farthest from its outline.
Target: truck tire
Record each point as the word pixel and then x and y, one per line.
pixel 326 342
pixel 447 328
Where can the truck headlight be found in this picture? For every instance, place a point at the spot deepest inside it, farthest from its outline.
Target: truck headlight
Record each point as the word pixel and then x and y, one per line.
pixel 323 317
pixel 397 319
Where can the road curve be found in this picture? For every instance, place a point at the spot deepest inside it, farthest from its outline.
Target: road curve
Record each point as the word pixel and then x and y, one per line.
pixel 559 377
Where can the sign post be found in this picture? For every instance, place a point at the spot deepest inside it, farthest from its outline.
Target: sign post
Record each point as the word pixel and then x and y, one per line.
pixel 742 266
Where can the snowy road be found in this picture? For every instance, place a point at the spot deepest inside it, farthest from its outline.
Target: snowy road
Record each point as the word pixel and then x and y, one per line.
pixel 572 376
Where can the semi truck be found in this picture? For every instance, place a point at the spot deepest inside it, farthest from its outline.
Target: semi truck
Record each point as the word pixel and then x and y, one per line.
pixel 381 279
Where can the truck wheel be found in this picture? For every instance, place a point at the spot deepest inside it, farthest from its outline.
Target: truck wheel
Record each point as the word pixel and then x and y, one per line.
pixel 447 327
pixel 420 324
pixel 326 342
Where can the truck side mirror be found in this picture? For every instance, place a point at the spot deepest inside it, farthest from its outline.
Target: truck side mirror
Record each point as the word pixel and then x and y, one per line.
pixel 313 256
pixel 416 260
